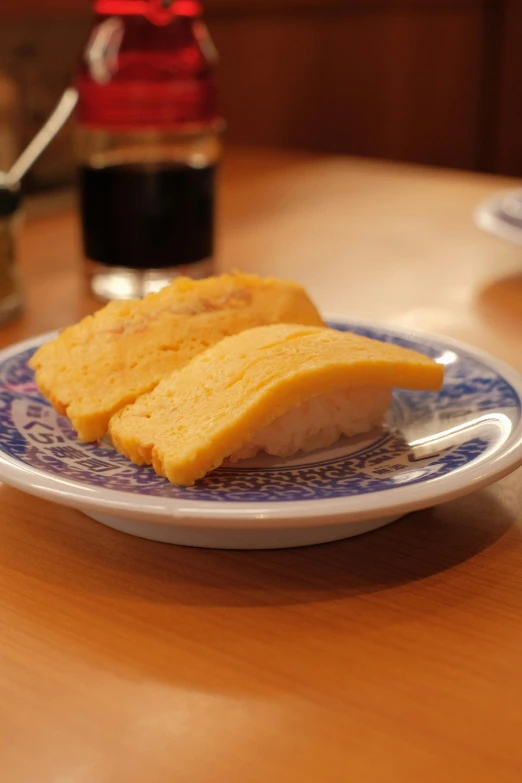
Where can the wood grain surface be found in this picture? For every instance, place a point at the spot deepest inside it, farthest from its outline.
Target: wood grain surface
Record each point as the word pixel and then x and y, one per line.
pixel 394 656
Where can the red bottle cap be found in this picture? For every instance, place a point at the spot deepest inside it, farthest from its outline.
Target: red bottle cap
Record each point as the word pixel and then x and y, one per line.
pixel 142 71
pixel 156 11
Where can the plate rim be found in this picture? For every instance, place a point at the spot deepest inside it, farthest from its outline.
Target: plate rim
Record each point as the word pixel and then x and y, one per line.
pixel 395 500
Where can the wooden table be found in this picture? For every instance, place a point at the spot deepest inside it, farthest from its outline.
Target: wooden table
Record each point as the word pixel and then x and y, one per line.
pixel 395 656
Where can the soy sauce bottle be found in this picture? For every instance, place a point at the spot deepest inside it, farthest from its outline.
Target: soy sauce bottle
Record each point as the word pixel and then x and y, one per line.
pixel 148 144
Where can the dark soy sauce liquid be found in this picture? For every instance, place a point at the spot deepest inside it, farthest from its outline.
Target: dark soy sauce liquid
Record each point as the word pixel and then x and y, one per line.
pixel 147 216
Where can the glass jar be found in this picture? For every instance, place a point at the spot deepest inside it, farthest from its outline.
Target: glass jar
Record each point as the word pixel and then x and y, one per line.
pixel 10 284
pixel 148 145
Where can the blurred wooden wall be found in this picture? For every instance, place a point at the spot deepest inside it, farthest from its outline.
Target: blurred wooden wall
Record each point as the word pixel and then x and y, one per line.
pixel 429 81
pixel 402 80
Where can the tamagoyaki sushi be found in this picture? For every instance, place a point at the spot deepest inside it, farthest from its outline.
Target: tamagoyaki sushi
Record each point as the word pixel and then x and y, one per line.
pixel 107 360
pixel 276 388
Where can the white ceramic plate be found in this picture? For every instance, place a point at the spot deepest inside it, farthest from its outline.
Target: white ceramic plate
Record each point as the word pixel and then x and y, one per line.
pixel 435 447
pixel 501 215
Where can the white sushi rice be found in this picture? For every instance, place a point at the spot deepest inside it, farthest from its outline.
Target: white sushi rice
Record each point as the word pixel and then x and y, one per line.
pixel 319 422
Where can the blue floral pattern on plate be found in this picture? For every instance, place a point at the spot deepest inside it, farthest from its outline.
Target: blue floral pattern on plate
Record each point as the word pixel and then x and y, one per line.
pixel 427 436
